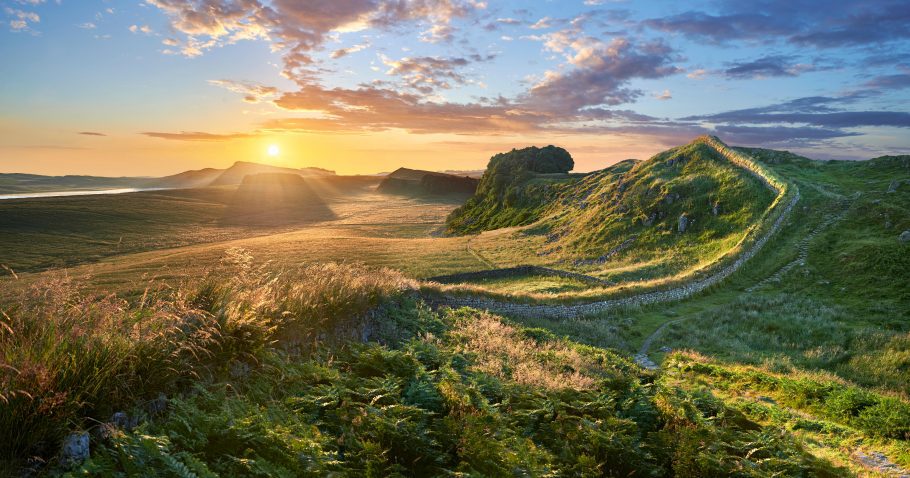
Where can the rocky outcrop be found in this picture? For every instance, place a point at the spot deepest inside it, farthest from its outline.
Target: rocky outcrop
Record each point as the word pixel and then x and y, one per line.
pixel 905 236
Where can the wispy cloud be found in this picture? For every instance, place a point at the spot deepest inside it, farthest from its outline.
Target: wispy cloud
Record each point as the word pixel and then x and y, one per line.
pixel 197 136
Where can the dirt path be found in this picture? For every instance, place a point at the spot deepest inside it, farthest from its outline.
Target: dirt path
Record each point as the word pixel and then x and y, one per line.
pixel 641 358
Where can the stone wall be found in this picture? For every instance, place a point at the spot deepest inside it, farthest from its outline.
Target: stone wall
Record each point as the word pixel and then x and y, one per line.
pixel 774 219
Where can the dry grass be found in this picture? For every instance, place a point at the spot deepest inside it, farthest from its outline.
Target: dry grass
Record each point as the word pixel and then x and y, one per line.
pixel 69 359
pixel 503 351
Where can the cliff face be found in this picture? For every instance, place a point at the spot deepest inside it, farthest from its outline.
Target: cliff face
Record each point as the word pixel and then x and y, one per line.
pixel 416 182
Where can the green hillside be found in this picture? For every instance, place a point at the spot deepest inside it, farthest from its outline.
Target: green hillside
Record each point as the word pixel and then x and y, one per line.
pixel 687 197
pixel 514 189
pixel 674 214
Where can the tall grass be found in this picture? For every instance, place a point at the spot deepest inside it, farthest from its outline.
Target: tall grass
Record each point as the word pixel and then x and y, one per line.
pixel 69 359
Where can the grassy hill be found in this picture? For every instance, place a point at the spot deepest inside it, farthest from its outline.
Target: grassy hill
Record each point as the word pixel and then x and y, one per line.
pixel 513 190
pixel 674 215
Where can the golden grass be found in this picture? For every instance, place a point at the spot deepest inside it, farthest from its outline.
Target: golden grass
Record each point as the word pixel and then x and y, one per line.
pixel 501 350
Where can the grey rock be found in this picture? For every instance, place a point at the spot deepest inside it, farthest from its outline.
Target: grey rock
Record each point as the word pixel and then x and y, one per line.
pixel 75 449
pixel 157 406
pixel 683 223
pixel 650 220
pixel 893 186
pixel 123 421
pixel 715 209
pixel 905 236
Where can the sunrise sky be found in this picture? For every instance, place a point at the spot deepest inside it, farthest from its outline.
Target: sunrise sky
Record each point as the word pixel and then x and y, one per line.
pixel 362 86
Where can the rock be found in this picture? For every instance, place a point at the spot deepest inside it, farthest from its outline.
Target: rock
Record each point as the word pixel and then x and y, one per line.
pixel 715 209
pixel 893 186
pixel 683 222
pixel 665 349
pixel 905 236
pixel 157 406
pixel 650 220
pixel 123 421
pixel 75 449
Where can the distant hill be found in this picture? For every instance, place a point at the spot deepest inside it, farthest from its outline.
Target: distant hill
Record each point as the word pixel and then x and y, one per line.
pixel 196 178
pixel 240 169
pixel 275 198
pixel 418 182
pixel 18 183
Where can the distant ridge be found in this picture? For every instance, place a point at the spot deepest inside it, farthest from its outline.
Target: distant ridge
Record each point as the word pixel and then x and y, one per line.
pixel 419 182
pixel 235 174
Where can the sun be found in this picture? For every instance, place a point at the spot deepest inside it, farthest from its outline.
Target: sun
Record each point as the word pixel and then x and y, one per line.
pixel 273 150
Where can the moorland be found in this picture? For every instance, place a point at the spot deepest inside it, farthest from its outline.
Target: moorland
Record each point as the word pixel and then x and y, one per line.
pixel 710 311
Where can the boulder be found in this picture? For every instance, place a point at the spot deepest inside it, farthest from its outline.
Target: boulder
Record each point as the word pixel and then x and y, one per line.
pixel 905 236
pixel 683 222
pixel 75 449
pixel 715 209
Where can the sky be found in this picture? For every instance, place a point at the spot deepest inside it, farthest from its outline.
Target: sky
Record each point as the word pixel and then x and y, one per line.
pixel 155 87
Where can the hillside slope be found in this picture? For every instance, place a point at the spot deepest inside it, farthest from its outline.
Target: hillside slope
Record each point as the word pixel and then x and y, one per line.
pixel 677 213
pixel 513 189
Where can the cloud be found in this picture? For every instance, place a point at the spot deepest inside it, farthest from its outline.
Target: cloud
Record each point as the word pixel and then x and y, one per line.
pixel 698 74
pixel 341 52
pixel 721 28
pixel 797 22
pixel 87 26
pixel 428 74
pixel 21 20
pixel 141 29
pixel 545 22
pixel 252 92
pixel 197 136
pixel 779 135
pixel 767 66
pixel 91 133
pixel 666 95
pixel 601 74
pixel 820 117
pixel 889 82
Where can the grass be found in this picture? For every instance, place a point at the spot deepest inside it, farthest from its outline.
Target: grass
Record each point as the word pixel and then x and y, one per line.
pixel 532 285
pixel 71 359
pixel 267 374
